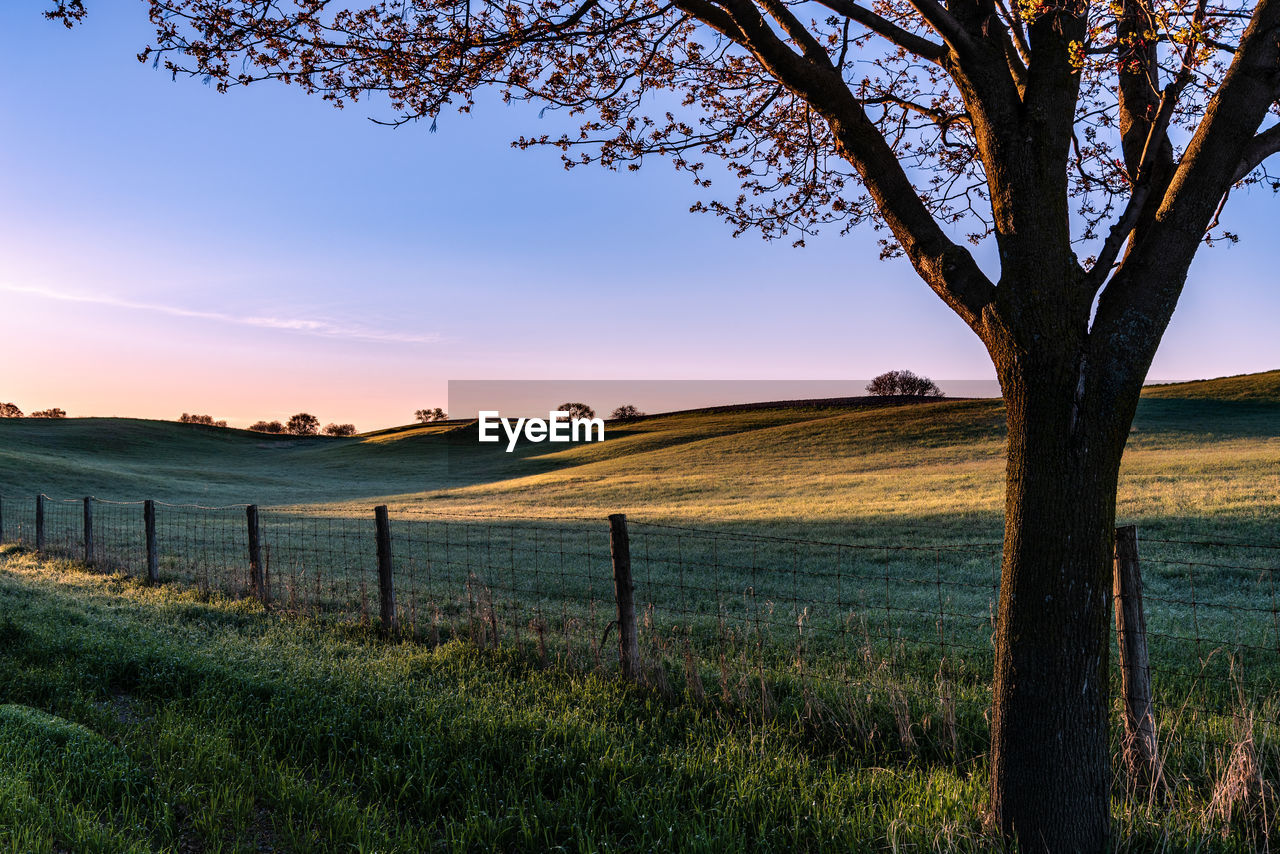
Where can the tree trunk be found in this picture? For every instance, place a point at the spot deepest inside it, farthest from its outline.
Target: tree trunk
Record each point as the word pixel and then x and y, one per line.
pixel 1050 762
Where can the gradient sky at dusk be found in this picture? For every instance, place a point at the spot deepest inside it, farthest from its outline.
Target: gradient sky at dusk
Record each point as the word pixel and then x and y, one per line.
pixel 165 249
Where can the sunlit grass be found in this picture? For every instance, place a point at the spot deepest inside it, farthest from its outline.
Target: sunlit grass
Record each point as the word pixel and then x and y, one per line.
pixel 252 731
pixel 145 719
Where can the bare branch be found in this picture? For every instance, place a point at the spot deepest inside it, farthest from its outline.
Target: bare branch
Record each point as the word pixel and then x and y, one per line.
pixel 1018 33
pixel 1259 149
pixel 797 32
pixel 905 39
pixel 945 25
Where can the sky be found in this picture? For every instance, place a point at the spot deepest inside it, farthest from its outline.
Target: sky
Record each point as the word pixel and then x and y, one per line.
pixel 166 249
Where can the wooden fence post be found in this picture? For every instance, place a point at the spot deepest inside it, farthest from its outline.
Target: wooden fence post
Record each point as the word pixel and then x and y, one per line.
pixel 1 519
pixel 256 585
pixel 386 584
pixel 88 531
pixel 1141 749
pixel 40 522
pixel 624 593
pixel 153 552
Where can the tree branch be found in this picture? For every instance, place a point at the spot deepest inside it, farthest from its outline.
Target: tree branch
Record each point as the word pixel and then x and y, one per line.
pixel 905 39
pixel 1139 89
pixel 797 31
pixel 1019 35
pixel 945 25
pixel 1259 149
pixel 949 269
pixel 1139 300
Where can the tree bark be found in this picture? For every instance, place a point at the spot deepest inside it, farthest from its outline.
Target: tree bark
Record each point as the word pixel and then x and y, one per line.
pixel 1050 762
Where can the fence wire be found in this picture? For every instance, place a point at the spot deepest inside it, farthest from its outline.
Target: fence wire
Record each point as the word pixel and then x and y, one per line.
pixel 890 645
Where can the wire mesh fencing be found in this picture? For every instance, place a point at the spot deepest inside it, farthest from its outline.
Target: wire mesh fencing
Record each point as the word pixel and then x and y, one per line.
pixel 1213 636
pixel 890 645
pixel 18 522
pixel 203 547
pixel 319 564
pixel 527 583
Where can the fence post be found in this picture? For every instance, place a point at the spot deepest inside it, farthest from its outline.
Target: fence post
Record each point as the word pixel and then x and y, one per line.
pixel 1 519
pixel 40 522
pixel 624 593
pixel 256 586
pixel 386 585
pixel 88 530
pixel 1141 750
pixel 153 552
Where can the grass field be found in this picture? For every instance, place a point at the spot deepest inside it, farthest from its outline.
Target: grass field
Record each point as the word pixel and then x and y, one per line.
pixel 139 719
pixel 1196 464
pixel 841 610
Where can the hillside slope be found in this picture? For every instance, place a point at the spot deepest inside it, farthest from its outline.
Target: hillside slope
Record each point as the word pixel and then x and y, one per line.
pixel 1203 454
pixel 1261 387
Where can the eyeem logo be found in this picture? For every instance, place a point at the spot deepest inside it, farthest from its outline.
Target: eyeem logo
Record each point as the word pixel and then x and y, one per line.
pixel 557 427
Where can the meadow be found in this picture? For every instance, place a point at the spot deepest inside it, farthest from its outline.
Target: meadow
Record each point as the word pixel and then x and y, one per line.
pixel 814 585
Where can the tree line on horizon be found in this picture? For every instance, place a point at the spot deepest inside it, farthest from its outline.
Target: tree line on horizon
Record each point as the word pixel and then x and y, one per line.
pixel 890 383
pixel 301 424
pixel 11 410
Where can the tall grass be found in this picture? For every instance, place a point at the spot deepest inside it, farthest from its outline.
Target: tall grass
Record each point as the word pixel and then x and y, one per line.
pixel 188 722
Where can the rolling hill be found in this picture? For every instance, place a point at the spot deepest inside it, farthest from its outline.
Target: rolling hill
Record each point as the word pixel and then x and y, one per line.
pixel 1204 454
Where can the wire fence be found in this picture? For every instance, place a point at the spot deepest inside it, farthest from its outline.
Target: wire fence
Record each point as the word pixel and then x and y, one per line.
pixel 891 646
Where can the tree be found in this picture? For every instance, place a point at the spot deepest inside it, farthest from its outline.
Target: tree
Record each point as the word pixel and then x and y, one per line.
pixel 626 412
pixel 1093 144
pixel 55 412
pixel 302 424
pixel 340 429
pixel 914 386
pixel 884 385
pixel 267 427
pixel 10 410
pixel 428 415
pixel 577 410
pixel 206 420
pixel 903 383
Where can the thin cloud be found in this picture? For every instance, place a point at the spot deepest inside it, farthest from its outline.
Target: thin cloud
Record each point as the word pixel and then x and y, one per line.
pixel 322 328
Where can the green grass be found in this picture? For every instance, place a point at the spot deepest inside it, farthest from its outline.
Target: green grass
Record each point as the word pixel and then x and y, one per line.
pixel 837 648
pixel 1197 464
pixel 1261 387
pixel 211 726
pixel 139 719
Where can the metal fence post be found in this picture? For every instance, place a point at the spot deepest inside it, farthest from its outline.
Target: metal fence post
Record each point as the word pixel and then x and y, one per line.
pixel 624 593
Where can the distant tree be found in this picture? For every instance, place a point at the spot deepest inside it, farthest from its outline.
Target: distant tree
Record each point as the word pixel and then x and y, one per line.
pixel 340 429
pixel 903 383
pixel 10 410
pixel 55 412
pixel 577 410
pixel 626 412
pixel 914 386
pixel 201 419
pixel 426 415
pixel 267 427
pixel 884 385
pixel 303 424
